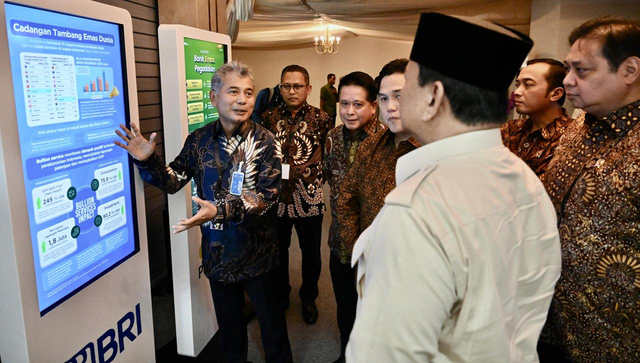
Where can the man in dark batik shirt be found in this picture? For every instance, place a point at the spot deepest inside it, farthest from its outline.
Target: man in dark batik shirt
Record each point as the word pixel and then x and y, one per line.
pixel 373 172
pixel 300 131
pixel 540 95
pixel 594 184
pixel 357 108
pixel 237 215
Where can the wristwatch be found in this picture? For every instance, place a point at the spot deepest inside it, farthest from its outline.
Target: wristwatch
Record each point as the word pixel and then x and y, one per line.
pixel 218 220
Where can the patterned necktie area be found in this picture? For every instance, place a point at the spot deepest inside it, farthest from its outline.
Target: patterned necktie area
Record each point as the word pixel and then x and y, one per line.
pixel 353 150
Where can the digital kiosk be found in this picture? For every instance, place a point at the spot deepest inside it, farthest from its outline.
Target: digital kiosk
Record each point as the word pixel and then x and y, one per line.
pixel 188 59
pixel 74 266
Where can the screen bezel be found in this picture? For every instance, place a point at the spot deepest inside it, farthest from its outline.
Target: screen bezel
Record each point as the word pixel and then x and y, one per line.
pixel 132 182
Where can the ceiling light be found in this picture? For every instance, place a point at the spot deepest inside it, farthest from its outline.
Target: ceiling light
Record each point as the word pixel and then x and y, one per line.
pixel 327 43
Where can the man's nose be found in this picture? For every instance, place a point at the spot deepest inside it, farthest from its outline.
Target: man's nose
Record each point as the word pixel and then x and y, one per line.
pixel 393 105
pixel 569 79
pixel 518 91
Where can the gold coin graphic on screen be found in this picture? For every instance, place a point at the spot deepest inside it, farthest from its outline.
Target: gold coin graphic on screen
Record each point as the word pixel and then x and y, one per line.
pixel 114 92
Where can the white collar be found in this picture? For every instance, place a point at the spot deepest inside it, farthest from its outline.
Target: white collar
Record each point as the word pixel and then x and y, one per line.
pixel 465 143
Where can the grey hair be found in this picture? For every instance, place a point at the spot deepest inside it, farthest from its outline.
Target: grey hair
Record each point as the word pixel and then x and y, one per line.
pixel 233 67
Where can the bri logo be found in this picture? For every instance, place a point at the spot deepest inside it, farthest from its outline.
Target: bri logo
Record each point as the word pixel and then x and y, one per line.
pixel 111 343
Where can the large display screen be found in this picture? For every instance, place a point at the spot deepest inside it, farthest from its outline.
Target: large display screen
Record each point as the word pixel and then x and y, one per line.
pixel 201 59
pixel 69 81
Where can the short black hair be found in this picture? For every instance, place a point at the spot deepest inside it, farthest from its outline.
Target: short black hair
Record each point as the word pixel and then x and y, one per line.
pixel 330 75
pixel 393 67
pixel 363 80
pixel 620 38
pixel 295 68
pixel 471 105
pixel 554 76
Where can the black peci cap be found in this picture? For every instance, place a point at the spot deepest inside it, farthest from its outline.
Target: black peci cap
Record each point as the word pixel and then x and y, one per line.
pixel 472 51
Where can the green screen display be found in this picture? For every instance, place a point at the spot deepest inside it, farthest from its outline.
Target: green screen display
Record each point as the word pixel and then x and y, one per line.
pixel 201 59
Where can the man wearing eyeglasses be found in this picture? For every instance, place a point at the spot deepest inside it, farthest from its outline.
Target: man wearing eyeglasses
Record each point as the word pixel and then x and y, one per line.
pixel 300 131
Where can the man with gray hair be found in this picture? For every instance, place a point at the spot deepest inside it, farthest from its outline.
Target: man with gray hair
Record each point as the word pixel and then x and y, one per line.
pixel 237 174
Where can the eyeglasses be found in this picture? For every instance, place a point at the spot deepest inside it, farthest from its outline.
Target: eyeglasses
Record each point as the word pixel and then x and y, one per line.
pixel 296 87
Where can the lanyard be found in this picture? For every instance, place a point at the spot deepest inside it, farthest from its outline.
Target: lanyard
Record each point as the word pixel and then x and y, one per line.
pixel 222 168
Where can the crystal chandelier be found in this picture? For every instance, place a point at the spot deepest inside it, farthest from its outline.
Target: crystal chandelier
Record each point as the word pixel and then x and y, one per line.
pixel 327 43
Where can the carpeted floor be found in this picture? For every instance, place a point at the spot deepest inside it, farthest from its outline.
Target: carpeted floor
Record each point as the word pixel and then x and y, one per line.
pixel 318 343
pixel 310 343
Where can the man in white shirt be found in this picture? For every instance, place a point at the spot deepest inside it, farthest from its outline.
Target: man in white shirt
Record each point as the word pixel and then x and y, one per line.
pixel 461 262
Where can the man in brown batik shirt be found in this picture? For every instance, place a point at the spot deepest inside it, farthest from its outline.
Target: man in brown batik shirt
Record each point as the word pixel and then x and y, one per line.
pixel 373 172
pixel 594 183
pixel 357 108
pixel 539 95
pixel 300 131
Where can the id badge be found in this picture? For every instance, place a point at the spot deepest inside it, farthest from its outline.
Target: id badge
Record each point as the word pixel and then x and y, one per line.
pixel 237 179
pixel 285 171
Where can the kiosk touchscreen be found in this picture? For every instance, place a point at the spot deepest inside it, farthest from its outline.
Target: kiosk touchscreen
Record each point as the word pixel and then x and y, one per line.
pixel 189 57
pixel 74 266
pixel 68 79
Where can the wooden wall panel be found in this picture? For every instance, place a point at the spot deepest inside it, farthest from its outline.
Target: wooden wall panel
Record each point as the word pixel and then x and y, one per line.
pixel 144 15
pixel 149 98
pixel 145 26
pixel 137 10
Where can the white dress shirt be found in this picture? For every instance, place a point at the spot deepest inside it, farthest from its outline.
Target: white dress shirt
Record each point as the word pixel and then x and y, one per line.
pixel 461 262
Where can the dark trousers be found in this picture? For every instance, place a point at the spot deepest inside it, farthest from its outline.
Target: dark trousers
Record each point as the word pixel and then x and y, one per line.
pixel 309 231
pixel 343 278
pixel 229 304
pixel 549 353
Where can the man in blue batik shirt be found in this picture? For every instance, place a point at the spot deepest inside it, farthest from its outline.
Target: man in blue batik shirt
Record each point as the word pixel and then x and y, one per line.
pixel 239 249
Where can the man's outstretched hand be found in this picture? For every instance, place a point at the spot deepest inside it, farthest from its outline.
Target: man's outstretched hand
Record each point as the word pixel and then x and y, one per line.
pixel 206 213
pixel 135 144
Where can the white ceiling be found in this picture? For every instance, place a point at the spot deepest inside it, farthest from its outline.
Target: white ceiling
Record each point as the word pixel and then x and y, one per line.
pixel 283 24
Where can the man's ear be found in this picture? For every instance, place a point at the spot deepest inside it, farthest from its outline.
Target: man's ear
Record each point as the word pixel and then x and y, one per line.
pixel 556 94
pixel 434 100
pixel 212 97
pixel 308 90
pixel 631 69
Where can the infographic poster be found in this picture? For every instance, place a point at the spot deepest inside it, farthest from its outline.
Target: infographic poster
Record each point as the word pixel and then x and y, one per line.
pixel 68 81
pixel 201 59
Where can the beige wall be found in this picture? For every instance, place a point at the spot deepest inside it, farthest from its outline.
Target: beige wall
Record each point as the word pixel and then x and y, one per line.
pixel 356 54
pixel 553 20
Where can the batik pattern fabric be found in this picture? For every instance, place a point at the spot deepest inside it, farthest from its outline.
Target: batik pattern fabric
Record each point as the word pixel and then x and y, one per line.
pixel 594 183
pixel 299 142
pixel 246 245
pixel 535 148
pixel 339 153
pixel 371 177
